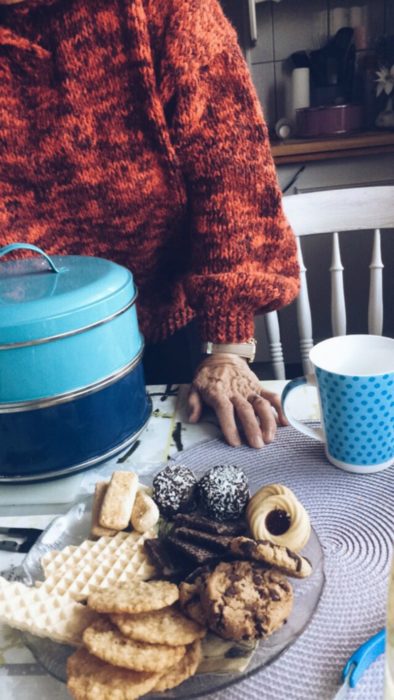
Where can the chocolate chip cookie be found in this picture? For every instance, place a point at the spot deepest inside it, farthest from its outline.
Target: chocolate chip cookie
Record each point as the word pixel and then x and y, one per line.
pixel 266 552
pixel 243 600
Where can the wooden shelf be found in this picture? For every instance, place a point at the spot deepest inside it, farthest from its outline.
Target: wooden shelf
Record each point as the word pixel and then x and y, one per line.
pixel 351 146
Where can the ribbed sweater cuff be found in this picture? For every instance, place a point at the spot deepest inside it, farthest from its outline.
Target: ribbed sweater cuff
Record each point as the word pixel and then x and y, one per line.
pixel 234 326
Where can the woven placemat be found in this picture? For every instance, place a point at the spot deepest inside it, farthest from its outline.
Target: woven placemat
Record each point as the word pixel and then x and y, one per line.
pixel 353 516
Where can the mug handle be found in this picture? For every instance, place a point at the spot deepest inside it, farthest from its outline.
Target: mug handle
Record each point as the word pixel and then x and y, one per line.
pixel 315 433
pixel 28 246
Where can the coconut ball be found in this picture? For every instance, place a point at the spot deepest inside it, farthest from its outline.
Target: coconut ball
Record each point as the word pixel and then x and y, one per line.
pixel 174 490
pixel 223 492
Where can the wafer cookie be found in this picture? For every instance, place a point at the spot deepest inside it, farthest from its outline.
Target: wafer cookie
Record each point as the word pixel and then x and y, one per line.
pixel 122 545
pixel 34 610
pixel 78 581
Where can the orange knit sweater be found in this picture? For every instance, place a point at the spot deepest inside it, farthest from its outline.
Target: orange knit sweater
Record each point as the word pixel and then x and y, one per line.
pixel 130 129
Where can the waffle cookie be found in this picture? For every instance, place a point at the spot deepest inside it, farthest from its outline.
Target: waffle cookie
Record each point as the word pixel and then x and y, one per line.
pixel 34 610
pixel 109 561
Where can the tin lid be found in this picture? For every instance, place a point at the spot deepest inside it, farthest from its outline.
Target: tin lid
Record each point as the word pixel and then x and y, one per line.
pixel 47 296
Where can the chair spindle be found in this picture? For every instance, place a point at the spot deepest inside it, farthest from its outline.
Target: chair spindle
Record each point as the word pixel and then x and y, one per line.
pixel 304 315
pixel 275 345
pixel 338 307
pixel 375 303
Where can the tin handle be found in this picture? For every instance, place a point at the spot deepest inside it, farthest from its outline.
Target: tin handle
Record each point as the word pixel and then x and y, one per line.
pixel 28 246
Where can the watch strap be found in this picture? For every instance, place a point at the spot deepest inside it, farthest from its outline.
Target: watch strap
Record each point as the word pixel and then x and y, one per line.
pixel 246 349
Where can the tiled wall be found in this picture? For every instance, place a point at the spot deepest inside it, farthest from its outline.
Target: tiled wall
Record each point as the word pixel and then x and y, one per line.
pixel 293 25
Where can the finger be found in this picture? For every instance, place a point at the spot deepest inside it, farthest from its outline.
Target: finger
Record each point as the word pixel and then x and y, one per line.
pixel 275 401
pixel 194 406
pixel 263 410
pixel 225 414
pixel 248 420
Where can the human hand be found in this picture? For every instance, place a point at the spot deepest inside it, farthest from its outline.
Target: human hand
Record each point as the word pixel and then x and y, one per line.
pixel 226 383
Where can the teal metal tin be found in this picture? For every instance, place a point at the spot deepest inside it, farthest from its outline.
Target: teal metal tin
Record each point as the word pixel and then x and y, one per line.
pixel 67 323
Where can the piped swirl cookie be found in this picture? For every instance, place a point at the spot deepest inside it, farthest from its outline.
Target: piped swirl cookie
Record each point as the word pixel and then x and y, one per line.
pixel 275 514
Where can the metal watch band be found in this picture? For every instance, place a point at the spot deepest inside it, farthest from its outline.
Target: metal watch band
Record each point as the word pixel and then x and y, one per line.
pixel 246 349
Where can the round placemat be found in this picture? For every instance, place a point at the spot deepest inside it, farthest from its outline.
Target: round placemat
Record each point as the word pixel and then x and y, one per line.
pixel 353 516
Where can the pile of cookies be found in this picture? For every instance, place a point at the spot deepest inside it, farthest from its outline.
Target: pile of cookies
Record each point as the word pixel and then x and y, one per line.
pixel 139 642
pixel 139 596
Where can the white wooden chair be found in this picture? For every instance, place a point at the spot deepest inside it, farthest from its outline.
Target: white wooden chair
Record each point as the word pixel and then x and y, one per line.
pixel 334 211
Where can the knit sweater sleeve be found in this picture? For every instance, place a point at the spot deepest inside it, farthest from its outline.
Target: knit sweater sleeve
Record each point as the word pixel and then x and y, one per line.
pixel 243 253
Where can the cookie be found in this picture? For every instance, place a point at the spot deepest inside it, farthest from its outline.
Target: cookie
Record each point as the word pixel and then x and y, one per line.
pixel 104 640
pixel 118 501
pixel 89 678
pixel 165 626
pixel 145 513
pixel 185 669
pixel 34 610
pixel 96 530
pixel 168 565
pixel 189 596
pixel 223 492
pixel 271 554
pixel 198 554
pixel 196 521
pixel 105 563
pixel 174 490
pixel 244 601
pixel 217 543
pixel 137 596
pixel 274 513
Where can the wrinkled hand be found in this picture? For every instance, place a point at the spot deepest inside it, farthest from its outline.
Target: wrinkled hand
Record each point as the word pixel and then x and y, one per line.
pixel 227 385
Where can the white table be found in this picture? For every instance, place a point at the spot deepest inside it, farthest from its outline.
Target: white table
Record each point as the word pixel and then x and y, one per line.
pixel 166 433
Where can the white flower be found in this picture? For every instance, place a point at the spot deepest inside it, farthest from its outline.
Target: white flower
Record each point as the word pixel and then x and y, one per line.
pixel 385 80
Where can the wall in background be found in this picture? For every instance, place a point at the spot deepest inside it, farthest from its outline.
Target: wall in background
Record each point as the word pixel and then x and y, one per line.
pixel 295 25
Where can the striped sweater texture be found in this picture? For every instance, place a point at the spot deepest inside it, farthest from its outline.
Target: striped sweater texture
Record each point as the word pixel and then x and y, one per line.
pixel 130 129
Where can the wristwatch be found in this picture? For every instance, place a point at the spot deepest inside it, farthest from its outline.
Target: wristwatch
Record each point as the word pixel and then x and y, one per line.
pixel 246 349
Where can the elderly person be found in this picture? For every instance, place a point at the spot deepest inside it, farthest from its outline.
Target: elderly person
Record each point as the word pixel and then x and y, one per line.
pixel 130 129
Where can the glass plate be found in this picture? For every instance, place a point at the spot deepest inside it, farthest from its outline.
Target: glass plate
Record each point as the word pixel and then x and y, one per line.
pixel 73 527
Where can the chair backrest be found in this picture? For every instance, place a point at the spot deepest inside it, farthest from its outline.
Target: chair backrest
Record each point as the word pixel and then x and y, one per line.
pixel 334 211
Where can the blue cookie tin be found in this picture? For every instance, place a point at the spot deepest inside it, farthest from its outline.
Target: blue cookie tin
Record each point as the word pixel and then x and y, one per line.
pixel 72 390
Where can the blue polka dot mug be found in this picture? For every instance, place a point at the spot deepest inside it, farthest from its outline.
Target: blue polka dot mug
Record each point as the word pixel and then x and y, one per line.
pixel 354 376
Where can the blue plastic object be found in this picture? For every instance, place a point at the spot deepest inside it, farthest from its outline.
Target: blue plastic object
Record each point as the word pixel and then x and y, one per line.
pixel 363 657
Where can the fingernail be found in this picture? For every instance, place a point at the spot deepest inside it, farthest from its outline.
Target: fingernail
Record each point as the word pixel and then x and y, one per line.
pixel 258 442
pixel 268 437
pixel 235 442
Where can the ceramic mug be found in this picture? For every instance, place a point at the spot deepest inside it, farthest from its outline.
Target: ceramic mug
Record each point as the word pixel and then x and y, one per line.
pixel 354 376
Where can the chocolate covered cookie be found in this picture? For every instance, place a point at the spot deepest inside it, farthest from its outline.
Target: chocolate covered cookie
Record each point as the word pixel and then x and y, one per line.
pixel 174 490
pixel 223 492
